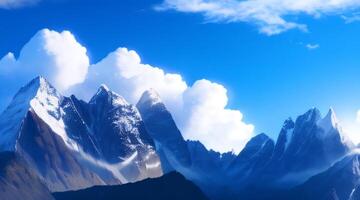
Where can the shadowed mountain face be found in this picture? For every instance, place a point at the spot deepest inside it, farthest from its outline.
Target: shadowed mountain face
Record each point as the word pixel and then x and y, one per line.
pixel 170 186
pixel 191 158
pixel 170 144
pixel 55 163
pixel 59 143
pixel 312 145
pixel 251 162
pixel 18 182
pixel 340 182
pixel 71 144
pixel 304 148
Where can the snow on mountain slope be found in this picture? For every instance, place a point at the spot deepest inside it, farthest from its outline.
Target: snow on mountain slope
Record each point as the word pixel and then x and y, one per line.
pixel 118 132
pixel 329 121
pixel 41 98
pixel 72 144
pixel 316 143
pixel 252 159
pixel 284 138
pixel 170 144
pixel 11 118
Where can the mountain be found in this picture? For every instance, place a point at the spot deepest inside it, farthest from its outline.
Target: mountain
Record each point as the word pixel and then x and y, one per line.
pixel 209 170
pixel 307 146
pixel 170 186
pixel 71 144
pixel 170 144
pixel 120 135
pixel 208 164
pixel 251 161
pixel 53 143
pixel 204 167
pixel 339 182
pixel 17 181
pixel 303 149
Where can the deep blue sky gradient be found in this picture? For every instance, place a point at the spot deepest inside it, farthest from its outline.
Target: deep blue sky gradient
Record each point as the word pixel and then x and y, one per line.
pixel 268 78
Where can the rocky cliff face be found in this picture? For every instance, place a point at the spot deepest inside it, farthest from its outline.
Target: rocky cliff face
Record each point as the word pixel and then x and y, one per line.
pixel 71 144
pixel 170 144
pixel 18 182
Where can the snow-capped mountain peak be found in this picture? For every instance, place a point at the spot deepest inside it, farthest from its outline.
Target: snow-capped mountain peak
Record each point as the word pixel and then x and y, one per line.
pixel 104 93
pixel 330 125
pixel 150 97
pixel 313 114
pixel 104 136
pixel 329 122
pixel 38 88
pixel 37 96
pixel 104 87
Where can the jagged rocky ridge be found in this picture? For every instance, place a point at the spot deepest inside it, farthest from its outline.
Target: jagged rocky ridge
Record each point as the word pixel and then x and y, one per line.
pixel 304 148
pixel 341 181
pixel 169 142
pixel 71 144
pixel 18 181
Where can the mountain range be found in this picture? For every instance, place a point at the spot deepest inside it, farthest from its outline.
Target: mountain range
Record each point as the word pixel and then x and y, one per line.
pixel 52 144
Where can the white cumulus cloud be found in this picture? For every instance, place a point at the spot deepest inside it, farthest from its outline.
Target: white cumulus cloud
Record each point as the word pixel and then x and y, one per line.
pixel 200 110
pixel 57 56
pixel 271 16
pixel 207 119
pixel 124 73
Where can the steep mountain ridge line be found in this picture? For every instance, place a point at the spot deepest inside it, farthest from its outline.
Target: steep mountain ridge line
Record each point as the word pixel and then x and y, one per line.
pixel 68 144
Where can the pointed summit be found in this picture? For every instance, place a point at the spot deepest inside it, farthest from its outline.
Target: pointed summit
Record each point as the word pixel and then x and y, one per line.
pixel 107 95
pixel 253 158
pixel 329 121
pixel 150 97
pixel 312 115
pixel 37 96
pixel 34 88
pixel 104 87
pixel 258 141
pixel 284 138
pixel 161 126
pixel 288 124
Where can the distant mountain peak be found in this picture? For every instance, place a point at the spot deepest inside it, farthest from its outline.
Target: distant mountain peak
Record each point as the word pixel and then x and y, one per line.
pixel 40 97
pixel 86 144
pixel 104 88
pixel 262 136
pixel 151 97
pixel 259 140
pixel 105 93
pixel 288 124
pixel 34 88
pixel 313 114
pixel 329 121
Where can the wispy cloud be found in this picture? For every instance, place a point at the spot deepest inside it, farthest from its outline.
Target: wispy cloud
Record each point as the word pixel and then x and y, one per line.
pixel 10 4
pixel 270 16
pixel 354 17
pixel 312 46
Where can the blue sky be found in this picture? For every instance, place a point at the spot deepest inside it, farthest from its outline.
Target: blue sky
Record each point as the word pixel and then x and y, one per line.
pixel 268 77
